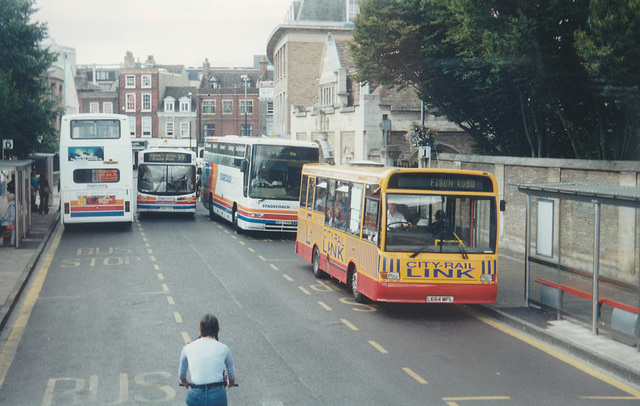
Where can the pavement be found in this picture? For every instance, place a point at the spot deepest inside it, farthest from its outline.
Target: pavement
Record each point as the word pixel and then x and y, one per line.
pixel 18 264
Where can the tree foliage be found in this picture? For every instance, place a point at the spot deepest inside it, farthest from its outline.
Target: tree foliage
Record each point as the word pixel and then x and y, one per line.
pixel 523 78
pixel 25 110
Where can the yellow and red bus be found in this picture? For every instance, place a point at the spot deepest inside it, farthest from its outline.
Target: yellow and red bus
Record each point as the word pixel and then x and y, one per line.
pixel 254 182
pixel 167 180
pixel 403 235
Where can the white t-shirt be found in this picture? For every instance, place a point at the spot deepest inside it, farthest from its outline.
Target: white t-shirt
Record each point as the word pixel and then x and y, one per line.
pixel 206 359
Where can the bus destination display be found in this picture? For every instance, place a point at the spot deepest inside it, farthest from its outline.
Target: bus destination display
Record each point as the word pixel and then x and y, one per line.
pixel 441 181
pixel 167 157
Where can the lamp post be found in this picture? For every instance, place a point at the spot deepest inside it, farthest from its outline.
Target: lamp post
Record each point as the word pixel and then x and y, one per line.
pixel 245 78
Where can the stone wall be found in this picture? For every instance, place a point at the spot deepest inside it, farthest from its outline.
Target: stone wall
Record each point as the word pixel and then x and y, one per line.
pixel 574 222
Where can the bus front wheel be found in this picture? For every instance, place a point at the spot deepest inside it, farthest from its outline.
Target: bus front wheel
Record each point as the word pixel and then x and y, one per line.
pixel 315 263
pixel 353 286
pixel 236 226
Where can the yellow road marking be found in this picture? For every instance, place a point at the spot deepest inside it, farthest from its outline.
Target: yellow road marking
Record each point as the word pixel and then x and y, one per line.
pixel 177 317
pixel 156 267
pixel 153 259
pixel 348 324
pixel 274 267
pixel 185 337
pixel 465 398
pixel 8 353
pixel 287 277
pixel 324 305
pixel 170 300
pixel 261 257
pixel 251 249
pixel 160 276
pixel 378 347
pixel 556 354
pixel 304 290
pixel 165 288
pixel 415 376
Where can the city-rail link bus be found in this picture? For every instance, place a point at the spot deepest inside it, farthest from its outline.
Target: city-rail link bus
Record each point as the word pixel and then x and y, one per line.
pixel 167 180
pixel 403 235
pixel 254 182
pixel 96 169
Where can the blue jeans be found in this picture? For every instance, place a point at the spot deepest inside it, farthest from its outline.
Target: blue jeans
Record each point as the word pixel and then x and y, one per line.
pixel 207 397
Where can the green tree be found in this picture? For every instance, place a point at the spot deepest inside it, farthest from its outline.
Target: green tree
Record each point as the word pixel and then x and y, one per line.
pixel 507 71
pixel 26 112
pixel 610 49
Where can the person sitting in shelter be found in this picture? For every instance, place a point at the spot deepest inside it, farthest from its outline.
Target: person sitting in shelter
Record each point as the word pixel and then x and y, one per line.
pixel 8 221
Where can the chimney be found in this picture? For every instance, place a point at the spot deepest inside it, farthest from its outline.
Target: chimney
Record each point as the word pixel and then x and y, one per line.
pixel 206 67
pixel 263 68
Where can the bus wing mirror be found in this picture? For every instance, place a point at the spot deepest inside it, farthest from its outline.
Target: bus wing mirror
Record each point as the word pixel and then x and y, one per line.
pixel 503 205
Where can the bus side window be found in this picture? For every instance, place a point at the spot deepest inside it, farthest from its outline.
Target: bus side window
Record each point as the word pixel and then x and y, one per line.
pixel 355 209
pixel 303 191
pixel 330 201
pixel 321 192
pixel 371 213
pixel 310 190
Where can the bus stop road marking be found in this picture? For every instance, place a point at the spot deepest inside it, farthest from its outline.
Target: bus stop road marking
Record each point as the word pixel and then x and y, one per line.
pixel 378 347
pixel 556 354
pixel 324 305
pixel 287 277
pixel 348 324
pixel 415 376
pixel 306 292
pixel 451 401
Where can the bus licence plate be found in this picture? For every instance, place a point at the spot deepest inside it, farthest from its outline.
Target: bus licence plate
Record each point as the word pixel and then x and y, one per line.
pixel 284 222
pixel 439 299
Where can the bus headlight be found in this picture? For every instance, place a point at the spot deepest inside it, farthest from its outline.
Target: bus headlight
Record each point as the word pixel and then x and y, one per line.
pixel 486 278
pixel 256 215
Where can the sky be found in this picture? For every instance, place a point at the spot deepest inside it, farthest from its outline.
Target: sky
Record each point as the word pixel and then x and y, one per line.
pixel 176 32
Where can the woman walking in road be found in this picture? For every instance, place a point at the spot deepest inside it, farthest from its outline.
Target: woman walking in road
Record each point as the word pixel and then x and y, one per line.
pixel 207 361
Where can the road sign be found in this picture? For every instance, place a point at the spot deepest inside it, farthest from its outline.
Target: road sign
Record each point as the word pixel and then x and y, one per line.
pixel 7 144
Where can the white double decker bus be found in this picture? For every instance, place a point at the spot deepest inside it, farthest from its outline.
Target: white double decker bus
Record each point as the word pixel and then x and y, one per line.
pixel 254 182
pixel 167 180
pixel 96 169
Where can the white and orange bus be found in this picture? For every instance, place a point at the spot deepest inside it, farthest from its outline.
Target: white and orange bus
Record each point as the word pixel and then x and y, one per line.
pixel 96 169
pixel 167 180
pixel 402 235
pixel 254 182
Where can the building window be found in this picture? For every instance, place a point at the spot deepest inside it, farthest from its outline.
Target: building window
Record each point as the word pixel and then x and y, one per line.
pixel 131 101
pixel 246 130
pixel 227 107
pixel 208 107
pixel 146 126
pixel 249 106
pixel 326 96
pixel 185 129
pixel 107 108
pixel 130 81
pixel 94 107
pixel 270 108
pixel 146 81
pixel 146 102
pixel 169 104
pixel 353 8
pixel 132 126
pixel 184 104
pixel 169 129
pixel 102 75
pixel 209 130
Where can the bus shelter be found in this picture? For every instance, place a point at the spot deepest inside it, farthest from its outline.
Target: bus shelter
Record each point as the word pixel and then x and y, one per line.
pixel 21 172
pixel 582 254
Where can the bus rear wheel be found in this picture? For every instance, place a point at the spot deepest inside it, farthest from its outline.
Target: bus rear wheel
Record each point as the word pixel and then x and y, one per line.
pixel 315 263
pixel 212 215
pixel 352 284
